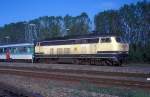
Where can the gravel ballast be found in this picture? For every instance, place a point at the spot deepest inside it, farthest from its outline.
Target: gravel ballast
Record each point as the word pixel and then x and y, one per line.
pixel 48 88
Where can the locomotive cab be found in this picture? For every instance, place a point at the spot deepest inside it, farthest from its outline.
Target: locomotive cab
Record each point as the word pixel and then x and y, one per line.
pixel 113 48
pixel 112 44
pixel 121 48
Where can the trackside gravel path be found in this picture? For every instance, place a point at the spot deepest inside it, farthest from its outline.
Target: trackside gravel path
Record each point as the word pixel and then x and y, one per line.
pixel 124 69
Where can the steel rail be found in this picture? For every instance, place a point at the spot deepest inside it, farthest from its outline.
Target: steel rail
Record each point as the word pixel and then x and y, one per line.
pixel 78 71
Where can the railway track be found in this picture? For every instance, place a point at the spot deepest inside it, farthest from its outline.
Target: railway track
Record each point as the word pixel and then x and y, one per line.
pixel 134 80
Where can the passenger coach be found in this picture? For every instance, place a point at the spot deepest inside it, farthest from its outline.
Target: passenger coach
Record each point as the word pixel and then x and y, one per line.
pixel 17 52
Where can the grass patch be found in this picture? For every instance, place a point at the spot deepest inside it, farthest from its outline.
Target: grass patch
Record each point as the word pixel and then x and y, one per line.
pixel 114 91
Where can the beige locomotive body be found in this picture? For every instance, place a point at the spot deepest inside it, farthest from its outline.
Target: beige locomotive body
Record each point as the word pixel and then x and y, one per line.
pixel 90 48
pixel 108 47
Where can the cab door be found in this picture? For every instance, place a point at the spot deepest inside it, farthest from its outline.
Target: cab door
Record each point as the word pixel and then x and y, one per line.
pixel 105 44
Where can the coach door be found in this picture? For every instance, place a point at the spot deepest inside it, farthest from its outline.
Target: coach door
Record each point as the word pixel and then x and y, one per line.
pixel 105 44
pixel 7 54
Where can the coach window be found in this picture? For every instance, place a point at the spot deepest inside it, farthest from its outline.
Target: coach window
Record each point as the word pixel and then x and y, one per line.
pixel 22 49
pixel 29 49
pixel 15 50
pixel 5 50
pixel 12 50
pixel 105 40
pixel 1 50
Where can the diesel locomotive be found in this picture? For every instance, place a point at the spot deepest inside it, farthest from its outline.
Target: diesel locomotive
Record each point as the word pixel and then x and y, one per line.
pixel 99 50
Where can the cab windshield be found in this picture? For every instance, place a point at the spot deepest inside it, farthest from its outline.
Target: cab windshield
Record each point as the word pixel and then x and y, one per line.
pixel 120 40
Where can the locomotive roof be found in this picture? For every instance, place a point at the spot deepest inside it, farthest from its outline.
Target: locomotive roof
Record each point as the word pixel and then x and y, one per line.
pixel 76 37
pixel 16 45
pixel 74 40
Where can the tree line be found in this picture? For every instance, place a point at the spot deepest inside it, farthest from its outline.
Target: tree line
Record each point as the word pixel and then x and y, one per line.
pixel 131 22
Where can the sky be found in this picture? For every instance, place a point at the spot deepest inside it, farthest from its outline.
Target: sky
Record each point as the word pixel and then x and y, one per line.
pixel 25 10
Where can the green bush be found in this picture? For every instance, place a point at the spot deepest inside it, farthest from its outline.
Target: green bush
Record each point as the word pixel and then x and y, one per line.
pixel 139 53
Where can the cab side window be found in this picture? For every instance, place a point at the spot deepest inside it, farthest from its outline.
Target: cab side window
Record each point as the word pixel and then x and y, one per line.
pixel 105 40
pixel 5 50
pixel 29 49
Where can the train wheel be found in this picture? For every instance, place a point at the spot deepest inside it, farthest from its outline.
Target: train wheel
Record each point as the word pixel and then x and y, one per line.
pixel 117 63
pixel 91 62
pixel 108 63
